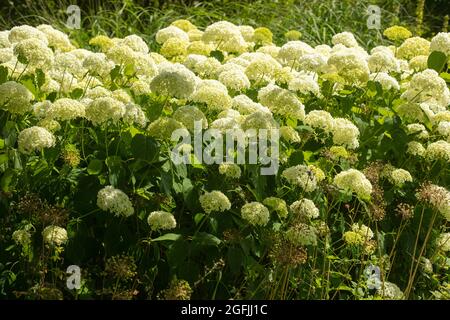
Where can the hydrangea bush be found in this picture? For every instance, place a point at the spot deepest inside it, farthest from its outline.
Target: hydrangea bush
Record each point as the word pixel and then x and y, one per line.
pixel 86 176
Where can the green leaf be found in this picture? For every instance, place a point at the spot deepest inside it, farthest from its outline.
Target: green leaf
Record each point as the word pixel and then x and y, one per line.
pixel 3 74
pixel 168 237
pixel 2 143
pixel 437 61
pixel 115 72
pixel 77 93
pixel 145 148
pixel 206 239
pixel 40 78
pixel 95 167
pixel 6 179
pixel 217 54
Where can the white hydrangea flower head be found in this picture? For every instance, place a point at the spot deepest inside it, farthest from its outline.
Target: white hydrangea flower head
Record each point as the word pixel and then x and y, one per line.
pixel 174 80
pixel 345 133
pixel 255 213
pixel 15 97
pixel 443 242
pixel 387 82
pixel 54 235
pixel 439 150
pixel 320 119
pixel 226 36
pixel 161 220
pixel 35 139
pixel 214 201
pixel 399 176
pixel 413 47
pixel 292 51
pixel 230 170
pixel 170 32
pixel 134 115
pixel 214 94
pixel 35 52
pixel 163 127
pixel 354 181
pixel 345 38
pixel 383 61
pixel 305 208
pixel 56 39
pixel 24 32
pixel 66 109
pixel 301 176
pixel 115 201
pixel 427 86
pixel 281 101
pixel 187 115
pixel 441 42
pixel 390 291
pixel 350 64
pixel 245 105
pixel 102 110
pixel 416 149
pixel 305 83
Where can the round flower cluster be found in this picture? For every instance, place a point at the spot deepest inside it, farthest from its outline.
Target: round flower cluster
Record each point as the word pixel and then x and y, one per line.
pixel 115 201
pixel 301 176
pixel 389 290
pixel 255 213
pixel 105 109
pixel 413 47
pixel 397 33
pixel 399 176
pixel 416 149
pixel 281 101
pixel 230 170
pixel 427 86
pixel 15 97
pixel 214 201
pixel 439 150
pixel 354 181
pixel 345 133
pixel 54 235
pixel 278 205
pixel 35 139
pixel 350 65
pixel 174 80
pixel 305 208
pixel 188 115
pixel 161 220
pixel 214 94
pixel 66 109
pixel 345 38
pixel 302 234
pixel 441 42
pixel 162 128
pixel 320 119
pixel 22 237
pixel 443 242
pixel 34 53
